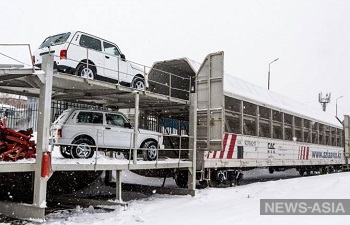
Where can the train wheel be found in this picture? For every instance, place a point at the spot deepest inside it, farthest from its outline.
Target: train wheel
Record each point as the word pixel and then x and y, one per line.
pixel 203 183
pixel 308 171
pixel 301 171
pixel 181 178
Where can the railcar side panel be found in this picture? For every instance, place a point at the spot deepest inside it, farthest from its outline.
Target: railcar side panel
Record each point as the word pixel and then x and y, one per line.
pixel 246 151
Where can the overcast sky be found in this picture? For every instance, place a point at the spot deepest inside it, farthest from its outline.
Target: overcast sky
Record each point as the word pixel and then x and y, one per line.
pixel 310 37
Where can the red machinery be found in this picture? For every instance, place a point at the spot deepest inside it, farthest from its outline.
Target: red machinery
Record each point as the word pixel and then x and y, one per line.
pixel 16 145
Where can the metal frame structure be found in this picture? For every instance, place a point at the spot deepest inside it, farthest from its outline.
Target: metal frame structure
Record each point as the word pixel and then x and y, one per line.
pixel 49 85
pixel 237 130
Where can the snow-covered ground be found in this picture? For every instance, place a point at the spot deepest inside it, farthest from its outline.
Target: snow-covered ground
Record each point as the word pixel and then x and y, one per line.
pixel 235 205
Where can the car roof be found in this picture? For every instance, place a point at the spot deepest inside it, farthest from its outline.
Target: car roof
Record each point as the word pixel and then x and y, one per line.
pixel 93 110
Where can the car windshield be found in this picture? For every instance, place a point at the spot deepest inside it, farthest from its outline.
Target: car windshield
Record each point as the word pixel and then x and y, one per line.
pixel 55 40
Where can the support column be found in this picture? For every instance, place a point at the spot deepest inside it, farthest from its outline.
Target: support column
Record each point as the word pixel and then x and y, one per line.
pixel 136 127
pixel 193 142
pixel 318 133
pixel 271 123
pixel 257 121
pixel 241 118
pixel 118 187
pixel 346 125
pixel 40 183
pixel 293 127
pixel 283 131
pixel 303 131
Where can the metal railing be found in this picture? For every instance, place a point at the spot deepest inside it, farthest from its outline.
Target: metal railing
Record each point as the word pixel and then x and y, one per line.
pixel 12 55
pixel 99 147
pixel 118 72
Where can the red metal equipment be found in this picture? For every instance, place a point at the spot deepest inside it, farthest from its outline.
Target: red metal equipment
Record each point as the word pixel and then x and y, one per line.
pixel 16 145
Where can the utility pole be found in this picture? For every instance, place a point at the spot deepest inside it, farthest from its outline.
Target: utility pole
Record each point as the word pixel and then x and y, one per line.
pixel 336 106
pixel 268 74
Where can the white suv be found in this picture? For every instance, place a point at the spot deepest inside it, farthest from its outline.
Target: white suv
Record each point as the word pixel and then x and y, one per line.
pixel 79 132
pixel 91 57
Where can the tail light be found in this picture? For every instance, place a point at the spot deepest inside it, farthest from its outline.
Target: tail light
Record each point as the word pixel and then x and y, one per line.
pixel 33 60
pixel 63 54
pixel 59 133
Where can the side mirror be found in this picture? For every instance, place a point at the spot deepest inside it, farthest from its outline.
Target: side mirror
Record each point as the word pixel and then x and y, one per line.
pixel 127 125
pixel 122 56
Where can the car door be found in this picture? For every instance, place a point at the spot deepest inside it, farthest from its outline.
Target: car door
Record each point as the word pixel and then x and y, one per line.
pixel 88 123
pixel 85 47
pixel 115 134
pixel 114 67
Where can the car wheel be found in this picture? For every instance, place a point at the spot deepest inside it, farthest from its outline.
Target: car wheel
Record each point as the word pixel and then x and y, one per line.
pixel 65 152
pixel 127 155
pixel 82 148
pixel 150 153
pixel 85 71
pixel 139 84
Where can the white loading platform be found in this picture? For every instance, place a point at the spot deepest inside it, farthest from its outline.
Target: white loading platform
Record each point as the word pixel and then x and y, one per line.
pixel 51 85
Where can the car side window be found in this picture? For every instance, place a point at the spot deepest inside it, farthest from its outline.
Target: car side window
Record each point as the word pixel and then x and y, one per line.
pixel 111 49
pixel 90 117
pixel 90 42
pixel 115 119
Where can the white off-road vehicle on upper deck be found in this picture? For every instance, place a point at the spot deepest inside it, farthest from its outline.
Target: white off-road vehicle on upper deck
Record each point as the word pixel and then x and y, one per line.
pixel 91 57
pixel 79 132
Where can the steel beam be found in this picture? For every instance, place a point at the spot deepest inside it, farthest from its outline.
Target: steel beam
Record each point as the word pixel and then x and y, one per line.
pixel 193 142
pixel 118 187
pixel 40 183
pixel 22 211
pixel 136 127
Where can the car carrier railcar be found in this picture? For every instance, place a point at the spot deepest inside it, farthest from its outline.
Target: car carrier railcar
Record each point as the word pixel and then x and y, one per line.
pixel 242 126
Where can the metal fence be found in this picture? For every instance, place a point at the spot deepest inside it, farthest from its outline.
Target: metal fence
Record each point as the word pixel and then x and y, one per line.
pixel 175 132
pixel 26 115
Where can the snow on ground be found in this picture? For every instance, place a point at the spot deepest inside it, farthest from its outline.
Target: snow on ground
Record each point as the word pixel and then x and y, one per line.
pixel 234 205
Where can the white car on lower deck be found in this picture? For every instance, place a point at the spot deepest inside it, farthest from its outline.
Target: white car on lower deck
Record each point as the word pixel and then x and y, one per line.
pixel 79 132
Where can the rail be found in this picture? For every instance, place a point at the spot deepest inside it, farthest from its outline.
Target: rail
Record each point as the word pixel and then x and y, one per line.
pixel 121 75
pixel 12 55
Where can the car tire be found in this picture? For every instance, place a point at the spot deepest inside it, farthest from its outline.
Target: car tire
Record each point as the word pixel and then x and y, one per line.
pixel 85 71
pixel 65 152
pixel 150 154
pixel 139 84
pixel 127 155
pixel 82 148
